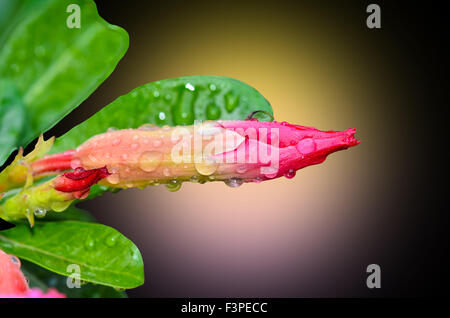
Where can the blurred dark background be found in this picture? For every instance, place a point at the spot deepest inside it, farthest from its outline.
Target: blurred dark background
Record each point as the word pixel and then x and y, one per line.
pixel 319 65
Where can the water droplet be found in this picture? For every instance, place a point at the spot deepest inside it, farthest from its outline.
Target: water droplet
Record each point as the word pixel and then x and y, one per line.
pixel 15 260
pixel 206 167
pixel 290 174
pixel 134 146
pixel 157 143
pixel 40 212
pixel 212 87
pixel 161 118
pixel 213 112
pixel 111 129
pixel 60 206
pixel 156 94
pixel 166 172
pixel 257 180
pixel 270 172
pixel 148 127
pixel 75 163
pixel 167 97
pixel 190 87
pixel 92 158
pixel 194 178
pixel 89 244
pixel 306 146
pixel 113 178
pixel 111 240
pixel 125 156
pixel 136 137
pixel 211 178
pixel 241 169
pixel 116 141
pixel 234 182
pixel 150 160
pixel 173 185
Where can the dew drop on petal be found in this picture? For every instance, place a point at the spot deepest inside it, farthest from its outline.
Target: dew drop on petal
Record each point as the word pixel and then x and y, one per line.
pixel 234 182
pixel 15 260
pixel 134 146
pixel 113 178
pixel 290 174
pixel 306 146
pixel 157 143
pixel 40 212
pixel 148 127
pixel 116 141
pixel 173 185
pixel 194 178
pixel 207 167
pixel 241 169
pixel 75 163
pixel 166 172
pixel 150 160
pixel 257 180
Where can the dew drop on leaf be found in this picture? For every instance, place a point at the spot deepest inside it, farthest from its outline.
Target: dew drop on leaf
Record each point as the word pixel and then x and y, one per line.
pixel 89 244
pixel 212 112
pixel 111 240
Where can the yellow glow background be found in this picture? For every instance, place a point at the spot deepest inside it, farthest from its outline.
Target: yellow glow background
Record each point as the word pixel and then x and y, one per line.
pixel 302 237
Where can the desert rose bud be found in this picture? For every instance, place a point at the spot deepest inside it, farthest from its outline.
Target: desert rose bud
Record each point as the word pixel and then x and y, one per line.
pixel 229 151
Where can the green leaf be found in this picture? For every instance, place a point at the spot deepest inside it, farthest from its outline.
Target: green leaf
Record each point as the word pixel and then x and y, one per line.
pixel 176 101
pixel 56 67
pixel 12 118
pixel 43 279
pixel 104 255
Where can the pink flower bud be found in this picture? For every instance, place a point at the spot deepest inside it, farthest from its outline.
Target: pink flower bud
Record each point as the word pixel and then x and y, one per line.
pixel 230 151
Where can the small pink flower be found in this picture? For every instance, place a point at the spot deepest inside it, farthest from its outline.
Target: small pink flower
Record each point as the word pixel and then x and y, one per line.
pixel 13 283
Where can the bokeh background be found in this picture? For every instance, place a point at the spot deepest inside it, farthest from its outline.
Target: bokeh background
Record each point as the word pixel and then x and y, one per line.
pixel 312 236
